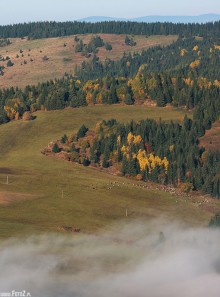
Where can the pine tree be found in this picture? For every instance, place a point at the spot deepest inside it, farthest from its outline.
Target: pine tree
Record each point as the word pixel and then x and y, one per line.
pixel 64 139
pixel 55 148
pixel 82 131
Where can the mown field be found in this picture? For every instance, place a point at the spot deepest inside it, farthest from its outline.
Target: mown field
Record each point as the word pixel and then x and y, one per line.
pixel 62 59
pixel 43 193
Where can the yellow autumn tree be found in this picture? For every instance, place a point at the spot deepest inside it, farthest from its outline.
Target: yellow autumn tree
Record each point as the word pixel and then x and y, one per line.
pixel 88 86
pixel 99 98
pixel 142 160
pixel 130 138
pixel 194 64
pixel 195 48
pixel 188 81
pixel 151 161
pixel 217 47
pixel 11 112
pixel 124 149
pixel 137 139
pixel 138 87
pixel 204 83
pixel 96 86
pixel 182 52
pixel 14 107
pixel 133 139
pixel 89 98
pixel 216 83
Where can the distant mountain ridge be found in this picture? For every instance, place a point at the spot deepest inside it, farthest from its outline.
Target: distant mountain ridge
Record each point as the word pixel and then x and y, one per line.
pixel 95 19
pixel 204 18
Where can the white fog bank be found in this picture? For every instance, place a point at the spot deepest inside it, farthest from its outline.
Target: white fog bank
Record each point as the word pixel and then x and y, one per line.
pixel 133 259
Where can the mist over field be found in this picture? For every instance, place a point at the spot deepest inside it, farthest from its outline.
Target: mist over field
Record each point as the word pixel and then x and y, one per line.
pixel 132 259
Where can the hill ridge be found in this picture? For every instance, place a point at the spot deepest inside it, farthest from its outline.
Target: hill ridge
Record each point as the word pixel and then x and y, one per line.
pixel 203 18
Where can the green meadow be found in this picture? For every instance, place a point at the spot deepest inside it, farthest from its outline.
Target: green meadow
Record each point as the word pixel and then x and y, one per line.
pixel 43 193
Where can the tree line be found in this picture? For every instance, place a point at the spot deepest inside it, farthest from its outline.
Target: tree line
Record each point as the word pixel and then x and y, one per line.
pixel 166 153
pixel 34 30
pixel 159 88
pixel 186 56
pixel 183 74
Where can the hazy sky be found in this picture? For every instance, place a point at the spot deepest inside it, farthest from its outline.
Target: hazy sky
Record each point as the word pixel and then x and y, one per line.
pixel 14 11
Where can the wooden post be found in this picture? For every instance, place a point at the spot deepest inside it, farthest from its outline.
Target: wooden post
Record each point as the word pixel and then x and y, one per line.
pixel 7 180
pixel 126 212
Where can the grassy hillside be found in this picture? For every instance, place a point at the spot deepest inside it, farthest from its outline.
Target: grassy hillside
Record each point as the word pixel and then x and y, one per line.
pixel 52 193
pixel 62 58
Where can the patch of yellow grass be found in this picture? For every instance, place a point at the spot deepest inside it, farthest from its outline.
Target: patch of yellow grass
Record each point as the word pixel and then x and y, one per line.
pixel 61 59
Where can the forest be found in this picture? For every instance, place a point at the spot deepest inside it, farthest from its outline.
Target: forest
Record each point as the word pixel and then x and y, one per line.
pixel 36 30
pixel 148 151
pixel 185 74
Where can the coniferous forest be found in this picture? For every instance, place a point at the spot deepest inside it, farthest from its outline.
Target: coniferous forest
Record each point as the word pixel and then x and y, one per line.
pixel 184 74
pixel 166 153
pixel 54 29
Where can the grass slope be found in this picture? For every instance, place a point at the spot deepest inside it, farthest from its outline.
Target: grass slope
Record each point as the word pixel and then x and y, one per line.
pixel 62 59
pixel 87 201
